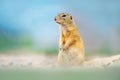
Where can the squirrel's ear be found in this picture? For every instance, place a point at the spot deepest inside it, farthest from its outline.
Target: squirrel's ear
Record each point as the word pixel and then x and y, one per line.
pixel 71 17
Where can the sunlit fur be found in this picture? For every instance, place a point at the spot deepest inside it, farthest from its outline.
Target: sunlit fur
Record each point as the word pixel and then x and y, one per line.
pixel 71 46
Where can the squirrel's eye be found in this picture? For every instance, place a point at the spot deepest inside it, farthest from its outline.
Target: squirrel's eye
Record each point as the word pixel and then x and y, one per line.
pixel 63 15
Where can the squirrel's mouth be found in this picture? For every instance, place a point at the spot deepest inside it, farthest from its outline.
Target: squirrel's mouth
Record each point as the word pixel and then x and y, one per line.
pixel 58 22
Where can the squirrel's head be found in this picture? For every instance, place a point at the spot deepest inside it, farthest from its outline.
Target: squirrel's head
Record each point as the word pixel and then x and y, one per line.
pixel 64 19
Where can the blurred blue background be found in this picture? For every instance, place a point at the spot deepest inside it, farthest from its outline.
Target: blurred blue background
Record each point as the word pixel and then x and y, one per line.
pixel 29 24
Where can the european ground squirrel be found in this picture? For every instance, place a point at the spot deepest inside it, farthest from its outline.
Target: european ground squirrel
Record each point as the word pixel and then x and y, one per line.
pixel 71 48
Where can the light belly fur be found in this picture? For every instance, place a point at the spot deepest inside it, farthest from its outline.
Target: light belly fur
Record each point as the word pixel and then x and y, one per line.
pixel 70 57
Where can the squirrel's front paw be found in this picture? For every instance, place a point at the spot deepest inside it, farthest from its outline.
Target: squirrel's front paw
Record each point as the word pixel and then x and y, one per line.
pixel 63 49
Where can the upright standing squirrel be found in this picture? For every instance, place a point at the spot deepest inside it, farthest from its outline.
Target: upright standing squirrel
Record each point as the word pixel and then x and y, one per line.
pixel 71 48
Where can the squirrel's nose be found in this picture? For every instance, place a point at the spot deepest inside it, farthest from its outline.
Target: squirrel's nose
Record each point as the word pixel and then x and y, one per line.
pixel 55 19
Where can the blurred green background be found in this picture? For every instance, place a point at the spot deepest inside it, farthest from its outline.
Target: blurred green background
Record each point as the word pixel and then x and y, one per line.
pixel 61 74
pixel 29 25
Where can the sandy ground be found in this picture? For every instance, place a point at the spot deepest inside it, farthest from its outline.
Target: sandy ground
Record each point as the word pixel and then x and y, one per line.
pixel 27 60
pixel 45 61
